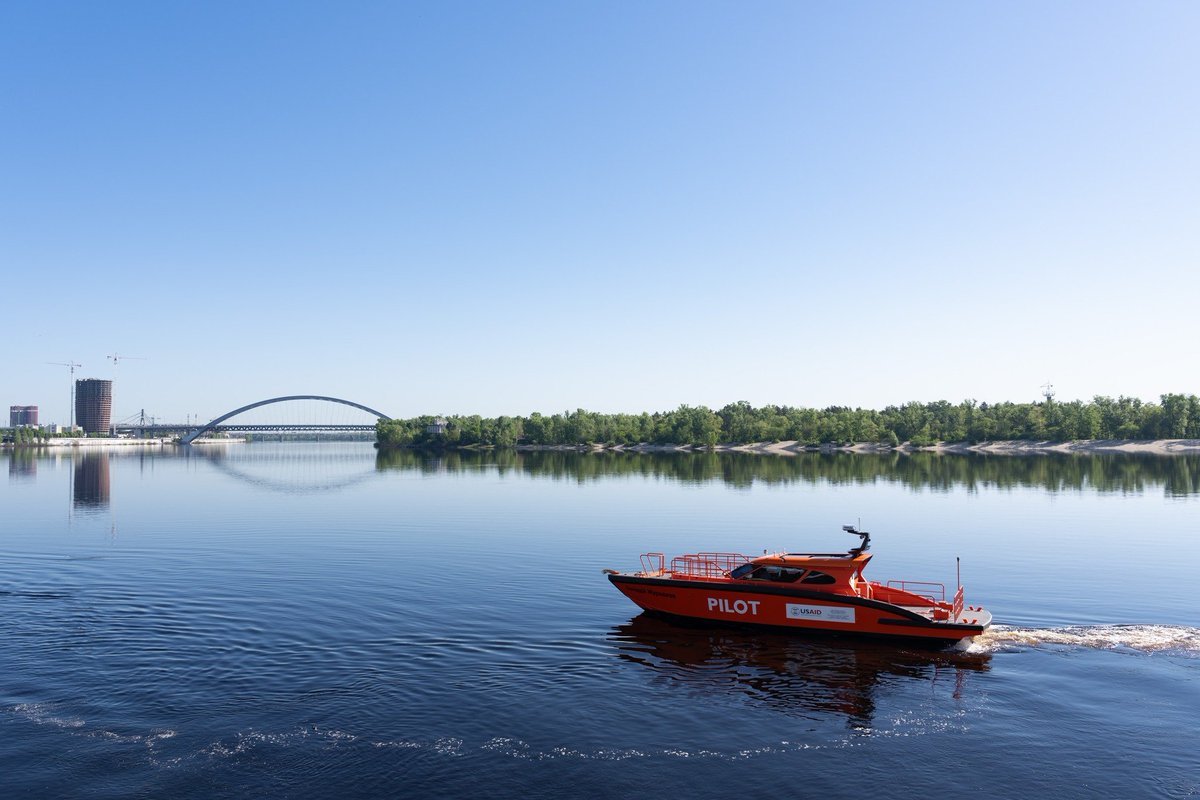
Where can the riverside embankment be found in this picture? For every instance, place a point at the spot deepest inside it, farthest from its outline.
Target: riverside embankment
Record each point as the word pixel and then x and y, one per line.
pixel 89 442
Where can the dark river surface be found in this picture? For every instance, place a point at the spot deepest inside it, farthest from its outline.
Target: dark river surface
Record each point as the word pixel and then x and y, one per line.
pixel 314 620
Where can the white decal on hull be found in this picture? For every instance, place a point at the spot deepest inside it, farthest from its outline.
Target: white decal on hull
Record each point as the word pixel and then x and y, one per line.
pixel 733 607
pixel 822 613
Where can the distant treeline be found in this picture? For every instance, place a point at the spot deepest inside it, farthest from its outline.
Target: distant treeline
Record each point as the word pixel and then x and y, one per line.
pixel 24 436
pixel 1177 416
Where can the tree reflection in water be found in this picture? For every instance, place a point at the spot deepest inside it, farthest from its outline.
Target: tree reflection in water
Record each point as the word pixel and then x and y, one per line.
pixel 1053 472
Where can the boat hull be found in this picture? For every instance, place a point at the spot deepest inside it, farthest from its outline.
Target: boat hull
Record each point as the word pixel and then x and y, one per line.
pixel 790 608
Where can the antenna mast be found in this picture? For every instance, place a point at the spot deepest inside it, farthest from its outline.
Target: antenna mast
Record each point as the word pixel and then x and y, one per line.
pixel 1048 391
pixel 72 365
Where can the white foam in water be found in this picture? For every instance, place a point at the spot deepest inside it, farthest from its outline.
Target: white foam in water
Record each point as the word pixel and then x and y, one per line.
pixel 243 742
pixel 515 748
pixel 1141 638
pixel 41 715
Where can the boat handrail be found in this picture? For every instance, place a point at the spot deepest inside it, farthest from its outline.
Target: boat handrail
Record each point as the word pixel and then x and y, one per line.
pixel 707 565
pixel 933 591
pixel 649 560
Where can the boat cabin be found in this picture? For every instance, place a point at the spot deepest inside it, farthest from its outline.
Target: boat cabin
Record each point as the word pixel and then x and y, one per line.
pixel 837 574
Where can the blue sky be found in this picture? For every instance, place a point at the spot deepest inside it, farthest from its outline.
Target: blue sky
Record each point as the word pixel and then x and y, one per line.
pixel 500 208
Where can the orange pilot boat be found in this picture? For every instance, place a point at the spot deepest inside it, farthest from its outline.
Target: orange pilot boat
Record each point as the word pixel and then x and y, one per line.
pixel 818 592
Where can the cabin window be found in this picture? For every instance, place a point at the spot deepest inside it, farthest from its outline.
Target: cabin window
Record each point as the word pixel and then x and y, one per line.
pixel 818 577
pixel 770 573
pixel 742 571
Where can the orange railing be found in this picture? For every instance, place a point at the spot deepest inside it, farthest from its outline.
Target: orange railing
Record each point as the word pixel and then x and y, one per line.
pixel 653 564
pixel 935 592
pixel 706 566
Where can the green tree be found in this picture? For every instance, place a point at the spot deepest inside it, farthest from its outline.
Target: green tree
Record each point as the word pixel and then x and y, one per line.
pixel 695 425
pixel 506 432
pixel 470 429
pixel 581 427
pixel 539 430
pixel 740 423
pixel 1176 411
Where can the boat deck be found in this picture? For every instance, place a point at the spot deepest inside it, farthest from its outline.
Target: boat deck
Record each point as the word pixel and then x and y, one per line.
pixel 968 616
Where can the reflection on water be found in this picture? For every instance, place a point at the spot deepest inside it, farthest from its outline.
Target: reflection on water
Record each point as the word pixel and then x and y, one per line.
pixel 302 468
pixel 290 469
pixel 91 480
pixel 22 464
pixel 809 675
pixel 1175 475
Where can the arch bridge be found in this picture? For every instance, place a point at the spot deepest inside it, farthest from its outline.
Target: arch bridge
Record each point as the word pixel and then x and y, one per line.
pixel 217 424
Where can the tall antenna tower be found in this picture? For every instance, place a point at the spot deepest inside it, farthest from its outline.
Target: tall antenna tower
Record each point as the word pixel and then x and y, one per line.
pixel 72 365
pixel 1048 391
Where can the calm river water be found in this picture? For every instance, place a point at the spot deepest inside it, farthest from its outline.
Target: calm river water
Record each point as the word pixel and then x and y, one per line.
pixel 314 620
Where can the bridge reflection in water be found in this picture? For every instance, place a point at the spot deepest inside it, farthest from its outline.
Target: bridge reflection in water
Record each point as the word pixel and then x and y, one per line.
pixel 298 469
pixel 291 469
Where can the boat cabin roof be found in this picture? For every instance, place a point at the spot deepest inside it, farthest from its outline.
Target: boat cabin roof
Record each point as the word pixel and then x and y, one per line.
pixel 841 565
pixel 839 571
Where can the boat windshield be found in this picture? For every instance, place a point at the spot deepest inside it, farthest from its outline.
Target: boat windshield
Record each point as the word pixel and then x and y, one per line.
pixel 754 572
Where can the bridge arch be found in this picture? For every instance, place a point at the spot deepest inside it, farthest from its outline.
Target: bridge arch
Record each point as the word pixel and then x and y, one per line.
pixel 215 422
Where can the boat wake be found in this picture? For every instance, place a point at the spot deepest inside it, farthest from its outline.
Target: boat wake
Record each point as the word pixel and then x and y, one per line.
pixel 1179 639
pixel 52 717
pixel 163 749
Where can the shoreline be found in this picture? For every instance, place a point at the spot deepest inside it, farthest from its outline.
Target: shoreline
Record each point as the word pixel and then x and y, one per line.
pixel 83 441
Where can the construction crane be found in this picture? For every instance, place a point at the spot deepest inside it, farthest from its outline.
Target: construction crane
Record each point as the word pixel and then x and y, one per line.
pixel 115 357
pixel 72 365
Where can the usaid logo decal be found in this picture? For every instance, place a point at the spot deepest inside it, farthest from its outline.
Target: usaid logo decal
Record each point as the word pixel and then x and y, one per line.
pixel 820 613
